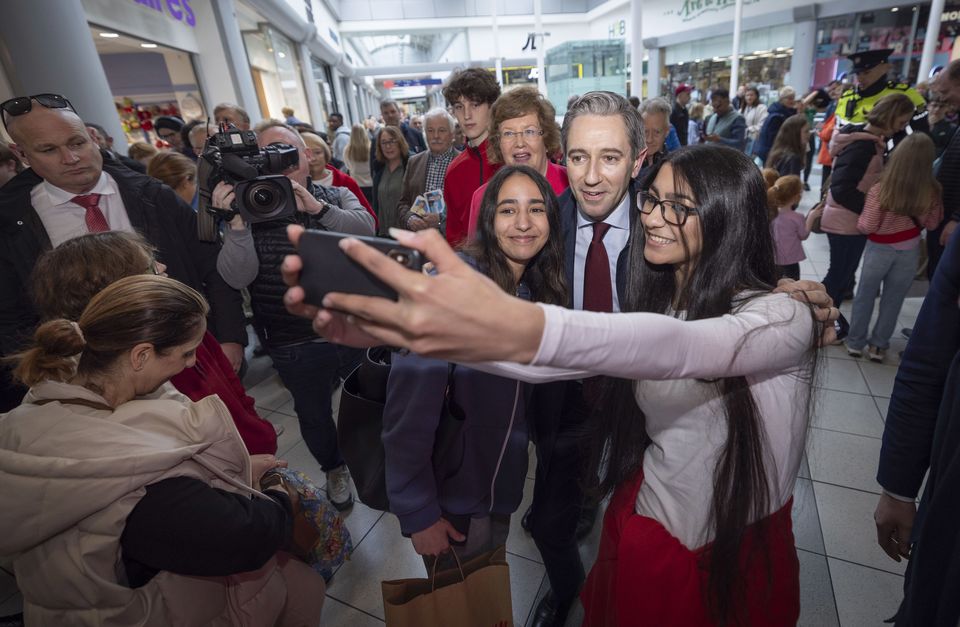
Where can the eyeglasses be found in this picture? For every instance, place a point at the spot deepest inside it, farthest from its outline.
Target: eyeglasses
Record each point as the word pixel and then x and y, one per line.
pixel 389 142
pixel 528 134
pixel 673 212
pixel 24 104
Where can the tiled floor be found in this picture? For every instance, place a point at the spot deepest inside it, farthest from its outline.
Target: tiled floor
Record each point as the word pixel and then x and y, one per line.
pixel 846 579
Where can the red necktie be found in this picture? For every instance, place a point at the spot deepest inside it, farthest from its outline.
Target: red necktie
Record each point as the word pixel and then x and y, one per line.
pixel 597 291
pixel 96 222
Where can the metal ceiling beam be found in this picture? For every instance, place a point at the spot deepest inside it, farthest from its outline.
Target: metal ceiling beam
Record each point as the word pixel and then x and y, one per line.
pixel 391 71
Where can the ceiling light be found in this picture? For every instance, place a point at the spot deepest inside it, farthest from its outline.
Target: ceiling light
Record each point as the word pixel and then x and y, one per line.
pixel 148 45
pixel 109 35
pixel 696 60
pixel 894 9
pixel 282 55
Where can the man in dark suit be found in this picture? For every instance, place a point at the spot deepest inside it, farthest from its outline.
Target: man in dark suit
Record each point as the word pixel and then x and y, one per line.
pixel 68 191
pixel 426 170
pixel 596 215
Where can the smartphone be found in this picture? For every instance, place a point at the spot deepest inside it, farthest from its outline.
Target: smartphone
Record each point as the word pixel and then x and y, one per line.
pixel 326 268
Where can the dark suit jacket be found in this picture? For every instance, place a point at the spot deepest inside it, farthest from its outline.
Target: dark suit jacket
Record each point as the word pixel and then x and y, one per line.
pixel 568 224
pixel 559 406
pixel 921 433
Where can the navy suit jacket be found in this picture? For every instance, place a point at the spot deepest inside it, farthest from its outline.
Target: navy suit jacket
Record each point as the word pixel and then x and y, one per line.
pixel 568 224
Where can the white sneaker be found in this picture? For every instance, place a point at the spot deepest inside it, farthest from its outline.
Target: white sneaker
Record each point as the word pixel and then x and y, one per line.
pixel 876 354
pixel 338 488
pixel 854 352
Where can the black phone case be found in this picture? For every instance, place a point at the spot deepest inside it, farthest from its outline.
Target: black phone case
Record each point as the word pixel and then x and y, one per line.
pixel 326 268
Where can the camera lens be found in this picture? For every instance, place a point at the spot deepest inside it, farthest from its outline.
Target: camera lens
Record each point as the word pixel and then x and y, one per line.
pixel 399 256
pixel 263 199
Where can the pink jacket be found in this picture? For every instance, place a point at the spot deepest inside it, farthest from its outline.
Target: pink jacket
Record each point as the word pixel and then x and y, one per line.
pixel 837 219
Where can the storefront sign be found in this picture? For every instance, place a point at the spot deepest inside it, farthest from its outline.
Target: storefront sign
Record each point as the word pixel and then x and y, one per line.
pixel 177 9
pixel 663 17
pixel 692 9
pixel 418 82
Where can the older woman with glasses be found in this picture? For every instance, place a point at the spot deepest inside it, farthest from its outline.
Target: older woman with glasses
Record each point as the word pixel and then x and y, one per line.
pixel 523 131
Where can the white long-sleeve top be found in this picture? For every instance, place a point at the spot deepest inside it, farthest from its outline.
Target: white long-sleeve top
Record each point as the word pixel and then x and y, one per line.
pixel 768 340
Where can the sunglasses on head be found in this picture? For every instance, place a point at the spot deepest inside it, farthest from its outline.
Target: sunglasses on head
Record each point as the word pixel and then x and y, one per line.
pixel 24 104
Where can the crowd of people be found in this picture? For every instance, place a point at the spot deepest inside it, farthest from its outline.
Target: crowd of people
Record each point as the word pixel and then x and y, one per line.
pixel 622 289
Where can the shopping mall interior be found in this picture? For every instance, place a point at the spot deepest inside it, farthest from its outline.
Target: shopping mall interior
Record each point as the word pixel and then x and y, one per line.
pixel 124 63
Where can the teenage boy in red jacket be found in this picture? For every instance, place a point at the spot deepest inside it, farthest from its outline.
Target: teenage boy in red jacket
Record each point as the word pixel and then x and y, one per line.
pixel 470 93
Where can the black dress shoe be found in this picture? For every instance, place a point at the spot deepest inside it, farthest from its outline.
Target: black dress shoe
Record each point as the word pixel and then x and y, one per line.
pixel 588 516
pixel 550 612
pixel 525 521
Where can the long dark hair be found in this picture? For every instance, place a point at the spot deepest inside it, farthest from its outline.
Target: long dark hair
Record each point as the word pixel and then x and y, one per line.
pixel 732 209
pixel 544 273
pixel 743 101
pixel 789 141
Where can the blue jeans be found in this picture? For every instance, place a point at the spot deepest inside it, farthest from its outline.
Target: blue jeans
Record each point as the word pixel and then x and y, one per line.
pixel 894 269
pixel 311 371
pixel 845 253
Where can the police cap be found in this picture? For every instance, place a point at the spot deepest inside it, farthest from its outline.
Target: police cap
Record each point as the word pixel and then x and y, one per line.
pixel 869 59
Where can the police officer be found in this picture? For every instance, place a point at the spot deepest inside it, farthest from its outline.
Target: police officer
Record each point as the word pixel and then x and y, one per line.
pixel 871 68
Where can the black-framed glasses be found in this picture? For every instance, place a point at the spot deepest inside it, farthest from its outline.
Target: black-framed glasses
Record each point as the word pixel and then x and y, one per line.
pixel 673 212
pixel 23 104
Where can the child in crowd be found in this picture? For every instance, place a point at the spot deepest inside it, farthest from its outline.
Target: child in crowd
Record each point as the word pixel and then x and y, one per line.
pixel 905 200
pixel 789 150
pixel 788 227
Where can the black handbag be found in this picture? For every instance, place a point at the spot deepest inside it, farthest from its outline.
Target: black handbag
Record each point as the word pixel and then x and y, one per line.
pixel 360 424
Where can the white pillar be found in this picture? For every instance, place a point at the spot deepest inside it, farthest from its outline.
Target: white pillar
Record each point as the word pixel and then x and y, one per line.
pixel 654 61
pixel 310 87
pixel 930 41
pixel 236 55
pixel 48 47
pixel 538 27
pixel 636 50
pixel 496 44
pixel 735 59
pixel 343 105
pixel 801 64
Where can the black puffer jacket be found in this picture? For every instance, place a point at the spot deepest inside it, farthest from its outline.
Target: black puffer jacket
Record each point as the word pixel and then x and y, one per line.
pixel 278 326
pixel 155 211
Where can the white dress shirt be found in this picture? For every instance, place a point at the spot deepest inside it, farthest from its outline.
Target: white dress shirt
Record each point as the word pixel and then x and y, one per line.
pixel 64 219
pixel 614 241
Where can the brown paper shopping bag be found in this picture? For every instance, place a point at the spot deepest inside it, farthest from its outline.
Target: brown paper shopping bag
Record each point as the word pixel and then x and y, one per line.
pixel 476 595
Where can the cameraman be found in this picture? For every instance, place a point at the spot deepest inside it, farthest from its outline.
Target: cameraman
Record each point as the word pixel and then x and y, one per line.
pixel 251 257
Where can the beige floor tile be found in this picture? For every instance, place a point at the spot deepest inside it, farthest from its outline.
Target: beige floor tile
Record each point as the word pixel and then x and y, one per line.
pixel 864 596
pixel 270 394
pixel 806 522
pixel 817 607
pixel 337 614
pixel 849 533
pixel 879 377
pixel 850 413
pixel 842 375
pixel 844 459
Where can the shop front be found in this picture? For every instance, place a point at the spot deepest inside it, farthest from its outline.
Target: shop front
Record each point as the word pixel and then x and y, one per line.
pixel 765 59
pixel 901 28
pixel 148 52
pixel 274 64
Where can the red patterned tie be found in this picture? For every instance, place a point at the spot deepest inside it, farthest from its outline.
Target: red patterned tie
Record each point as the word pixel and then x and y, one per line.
pixel 597 291
pixel 96 221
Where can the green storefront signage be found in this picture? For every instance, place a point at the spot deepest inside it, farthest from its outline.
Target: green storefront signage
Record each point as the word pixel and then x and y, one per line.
pixel 692 9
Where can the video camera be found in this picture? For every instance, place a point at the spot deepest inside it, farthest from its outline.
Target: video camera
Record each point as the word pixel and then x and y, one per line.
pixel 263 193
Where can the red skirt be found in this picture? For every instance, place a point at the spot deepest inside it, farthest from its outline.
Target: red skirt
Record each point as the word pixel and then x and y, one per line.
pixel 645 576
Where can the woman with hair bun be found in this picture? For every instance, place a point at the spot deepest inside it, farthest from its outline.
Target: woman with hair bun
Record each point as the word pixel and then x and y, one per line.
pixel 67 277
pixel 126 504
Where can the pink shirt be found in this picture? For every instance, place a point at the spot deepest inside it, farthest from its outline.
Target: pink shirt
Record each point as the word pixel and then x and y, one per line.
pixel 789 229
pixel 556 176
pixel 768 340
